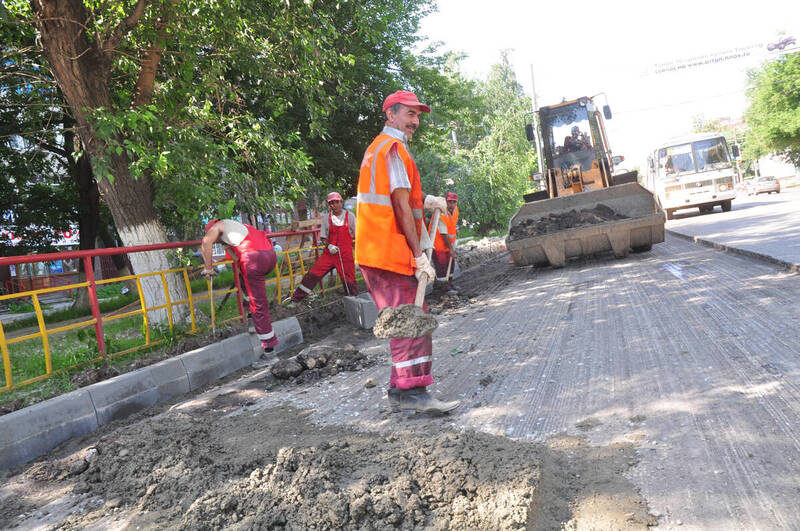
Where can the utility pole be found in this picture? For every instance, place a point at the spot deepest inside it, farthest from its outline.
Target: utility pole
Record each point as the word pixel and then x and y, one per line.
pixel 536 123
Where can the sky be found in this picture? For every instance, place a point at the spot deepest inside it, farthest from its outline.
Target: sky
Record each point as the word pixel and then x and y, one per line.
pixel 630 51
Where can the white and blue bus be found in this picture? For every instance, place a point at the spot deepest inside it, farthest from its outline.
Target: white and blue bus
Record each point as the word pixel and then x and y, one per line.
pixel 693 171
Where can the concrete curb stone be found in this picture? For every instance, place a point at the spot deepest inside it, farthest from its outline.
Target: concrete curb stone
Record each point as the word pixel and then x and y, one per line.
pixel 361 310
pixel 789 266
pixel 123 395
pixel 171 378
pixel 37 429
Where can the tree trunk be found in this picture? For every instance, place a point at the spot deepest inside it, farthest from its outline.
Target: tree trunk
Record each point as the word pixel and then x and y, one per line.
pixel 82 68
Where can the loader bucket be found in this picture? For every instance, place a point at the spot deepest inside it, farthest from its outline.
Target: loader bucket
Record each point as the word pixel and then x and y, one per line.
pixel 638 225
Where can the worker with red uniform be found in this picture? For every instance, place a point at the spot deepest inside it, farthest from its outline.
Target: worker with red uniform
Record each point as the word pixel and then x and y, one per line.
pixel 337 234
pixel 444 243
pixel 390 242
pixel 256 257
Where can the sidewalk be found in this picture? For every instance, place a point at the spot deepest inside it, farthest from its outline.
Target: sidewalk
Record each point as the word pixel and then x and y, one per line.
pixel 760 229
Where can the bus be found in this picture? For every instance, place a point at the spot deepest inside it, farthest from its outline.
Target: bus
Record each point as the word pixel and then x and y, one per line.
pixel 693 171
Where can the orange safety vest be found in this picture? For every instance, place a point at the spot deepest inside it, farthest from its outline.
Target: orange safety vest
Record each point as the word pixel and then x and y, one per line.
pixel 450 221
pixel 380 242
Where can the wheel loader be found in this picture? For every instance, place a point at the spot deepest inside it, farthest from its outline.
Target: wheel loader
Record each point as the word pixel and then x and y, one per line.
pixel 585 208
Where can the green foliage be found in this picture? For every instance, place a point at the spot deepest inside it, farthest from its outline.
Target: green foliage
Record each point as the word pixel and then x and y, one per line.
pixel 490 165
pixel 773 114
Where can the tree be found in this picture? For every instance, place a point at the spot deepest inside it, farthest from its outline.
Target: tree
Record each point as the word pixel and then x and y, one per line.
pixel 773 113
pixel 491 164
pixel 193 126
pixel 50 183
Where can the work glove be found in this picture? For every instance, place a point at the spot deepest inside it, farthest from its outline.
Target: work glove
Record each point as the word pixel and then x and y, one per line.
pixel 424 267
pixel 434 202
pixel 332 248
pixel 209 272
pixel 425 240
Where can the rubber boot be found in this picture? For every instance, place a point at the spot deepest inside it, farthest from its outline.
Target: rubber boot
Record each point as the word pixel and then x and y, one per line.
pixel 418 400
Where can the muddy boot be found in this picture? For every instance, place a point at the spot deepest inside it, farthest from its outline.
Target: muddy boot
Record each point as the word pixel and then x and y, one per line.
pixel 266 358
pixel 418 400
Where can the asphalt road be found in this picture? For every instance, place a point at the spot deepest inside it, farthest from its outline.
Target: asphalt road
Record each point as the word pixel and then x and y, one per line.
pixel 687 352
pixel 768 224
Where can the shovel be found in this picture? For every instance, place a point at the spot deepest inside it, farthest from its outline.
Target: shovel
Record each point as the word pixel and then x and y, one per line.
pixel 409 320
pixel 344 278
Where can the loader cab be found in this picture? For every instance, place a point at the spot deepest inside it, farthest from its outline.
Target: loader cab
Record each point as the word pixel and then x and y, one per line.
pixel 575 150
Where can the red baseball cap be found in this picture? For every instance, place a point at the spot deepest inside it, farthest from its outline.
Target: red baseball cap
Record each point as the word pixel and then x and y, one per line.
pixel 333 196
pixel 408 99
pixel 211 223
pixel 451 196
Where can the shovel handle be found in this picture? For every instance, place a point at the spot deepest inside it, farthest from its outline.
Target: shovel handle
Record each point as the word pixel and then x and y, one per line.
pixel 421 285
pixel 432 232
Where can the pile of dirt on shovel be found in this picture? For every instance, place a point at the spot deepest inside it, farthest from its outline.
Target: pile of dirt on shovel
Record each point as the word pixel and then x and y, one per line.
pixel 273 469
pixel 556 222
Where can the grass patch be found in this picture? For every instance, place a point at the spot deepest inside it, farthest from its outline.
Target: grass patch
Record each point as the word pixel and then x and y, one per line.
pixel 79 348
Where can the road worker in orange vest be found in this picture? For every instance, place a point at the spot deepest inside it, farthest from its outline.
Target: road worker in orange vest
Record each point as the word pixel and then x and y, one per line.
pixel 445 241
pixel 390 244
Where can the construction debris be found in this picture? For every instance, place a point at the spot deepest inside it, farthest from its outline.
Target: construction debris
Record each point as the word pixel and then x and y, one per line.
pixel 556 222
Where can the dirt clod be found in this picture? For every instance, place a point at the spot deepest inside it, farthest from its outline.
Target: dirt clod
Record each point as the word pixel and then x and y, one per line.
pixel 556 222
pixel 406 320
pixel 285 369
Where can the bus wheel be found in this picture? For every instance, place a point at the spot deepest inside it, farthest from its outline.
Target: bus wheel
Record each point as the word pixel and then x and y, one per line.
pixel 726 206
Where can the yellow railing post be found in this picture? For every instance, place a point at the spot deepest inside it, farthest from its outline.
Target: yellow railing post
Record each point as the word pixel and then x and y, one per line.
pixel 45 343
pixel 169 302
pixel 6 358
pixel 191 301
pixel 145 320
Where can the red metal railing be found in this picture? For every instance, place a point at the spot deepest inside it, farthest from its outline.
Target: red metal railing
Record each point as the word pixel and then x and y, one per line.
pixel 88 255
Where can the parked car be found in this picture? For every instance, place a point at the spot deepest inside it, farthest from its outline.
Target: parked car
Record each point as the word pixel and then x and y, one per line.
pixel 763 185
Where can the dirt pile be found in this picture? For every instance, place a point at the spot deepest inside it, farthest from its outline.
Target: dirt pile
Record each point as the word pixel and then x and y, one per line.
pixel 476 252
pixel 459 481
pixel 320 361
pixel 252 471
pixel 406 320
pixel 563 221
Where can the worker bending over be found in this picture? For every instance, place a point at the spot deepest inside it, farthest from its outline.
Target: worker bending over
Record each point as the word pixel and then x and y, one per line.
pixel 256 257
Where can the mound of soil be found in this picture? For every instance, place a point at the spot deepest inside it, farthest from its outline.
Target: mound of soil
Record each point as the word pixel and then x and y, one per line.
pixel 477 252
pixel 253 471
pixel 563 221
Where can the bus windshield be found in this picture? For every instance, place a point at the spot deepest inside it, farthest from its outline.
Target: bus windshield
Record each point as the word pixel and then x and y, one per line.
pixel 711 154
pixel 700 156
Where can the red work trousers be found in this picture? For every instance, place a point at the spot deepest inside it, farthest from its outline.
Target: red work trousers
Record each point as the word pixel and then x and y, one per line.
pixel 411 357
pixel 256 265
pixel 322 266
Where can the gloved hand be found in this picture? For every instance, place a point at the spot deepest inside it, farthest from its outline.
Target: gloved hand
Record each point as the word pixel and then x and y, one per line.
pixel 424 267
pixel 332 248
pixel 209 273
pixel 434 202
pixel 425 240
